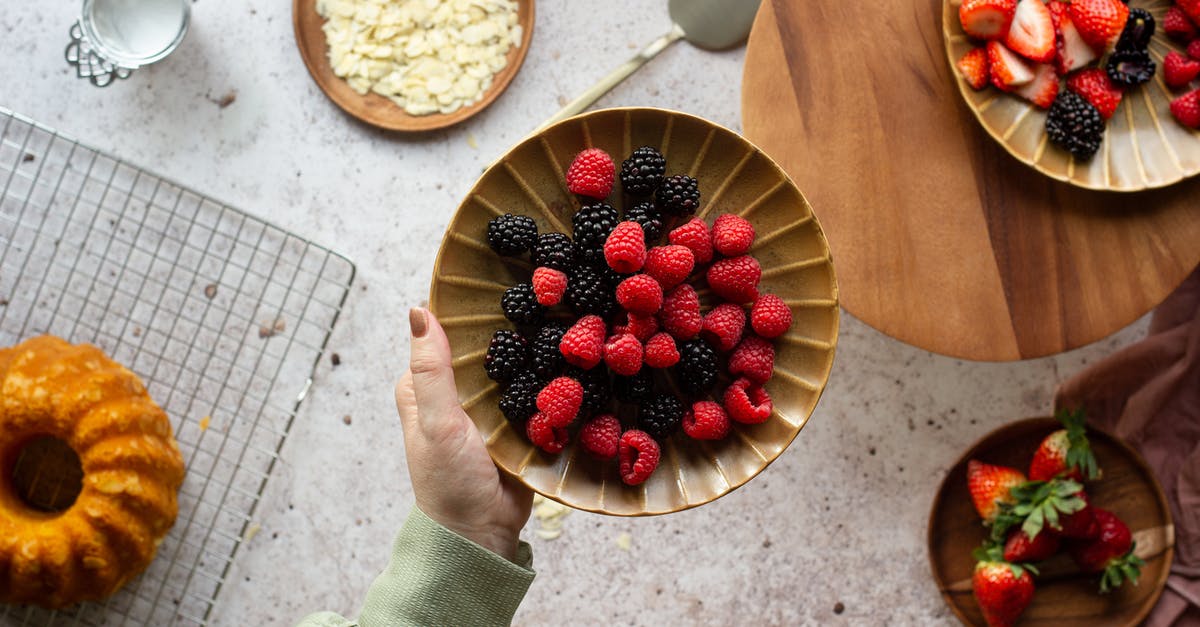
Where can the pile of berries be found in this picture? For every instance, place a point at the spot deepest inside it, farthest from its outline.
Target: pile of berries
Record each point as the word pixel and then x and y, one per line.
pixel 612 345
pixel 1031 519
pixel 1180 70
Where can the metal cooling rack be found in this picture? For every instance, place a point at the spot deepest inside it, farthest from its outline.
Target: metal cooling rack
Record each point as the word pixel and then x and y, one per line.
pixel 223 315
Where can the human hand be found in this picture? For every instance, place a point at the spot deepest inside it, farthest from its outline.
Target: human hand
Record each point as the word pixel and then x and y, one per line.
pixel 453 477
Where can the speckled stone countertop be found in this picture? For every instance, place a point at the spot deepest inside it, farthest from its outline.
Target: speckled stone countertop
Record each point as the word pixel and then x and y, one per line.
pixel 832 533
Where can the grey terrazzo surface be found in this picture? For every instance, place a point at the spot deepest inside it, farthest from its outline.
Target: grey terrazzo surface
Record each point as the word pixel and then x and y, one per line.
pixel 839 520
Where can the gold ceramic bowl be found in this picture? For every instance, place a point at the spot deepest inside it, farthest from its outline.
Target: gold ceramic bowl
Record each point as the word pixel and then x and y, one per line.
pixel 1143 148
pixel 734 177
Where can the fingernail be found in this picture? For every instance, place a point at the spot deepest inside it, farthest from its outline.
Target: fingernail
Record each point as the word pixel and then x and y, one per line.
pixel 417 322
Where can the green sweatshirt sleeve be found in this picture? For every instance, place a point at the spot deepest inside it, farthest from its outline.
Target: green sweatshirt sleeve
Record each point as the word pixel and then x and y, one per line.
pixel 437 577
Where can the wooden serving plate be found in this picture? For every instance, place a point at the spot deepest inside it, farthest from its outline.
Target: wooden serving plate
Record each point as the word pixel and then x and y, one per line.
pixel 377 110
pixel 1064 597
pixel 734 177
pixel 944 240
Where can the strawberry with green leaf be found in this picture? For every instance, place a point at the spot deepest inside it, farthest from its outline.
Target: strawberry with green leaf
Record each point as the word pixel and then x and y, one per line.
pixel 1041 504
pixel 991 486
pixel 1110 553
pixel 1065 452
pixel 1002 589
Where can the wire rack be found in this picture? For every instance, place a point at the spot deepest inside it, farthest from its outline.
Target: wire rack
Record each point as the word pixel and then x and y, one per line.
pixel 224 316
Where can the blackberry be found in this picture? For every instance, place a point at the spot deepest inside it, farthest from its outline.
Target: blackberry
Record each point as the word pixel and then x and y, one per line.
pixel 608 276
pixel 592 225
pixel 678 196
pixel 546 357
pixel 511 235
pixel 596 388
pixel 697 369
pixel 588 292
pixel 554 250
pixel 637 389
pixel 518 402
pixel 1138 30
pixel 520 305
pixel 643 171
pixel 1075 125
pixel 1130 67
pixel 506 356
pixel 646 215
pixel 660 416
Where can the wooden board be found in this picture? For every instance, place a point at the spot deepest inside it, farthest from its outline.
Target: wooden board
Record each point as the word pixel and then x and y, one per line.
pixel 1064 597
pixel 941 238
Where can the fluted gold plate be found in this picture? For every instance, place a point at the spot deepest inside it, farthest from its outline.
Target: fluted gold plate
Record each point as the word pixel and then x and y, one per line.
pixel 734 177
pixel 1143 148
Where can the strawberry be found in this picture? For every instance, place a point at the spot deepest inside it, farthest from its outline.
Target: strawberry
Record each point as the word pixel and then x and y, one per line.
pixel 1073 51
pixel 1191 8
pixel 1099 22
pixel 987 19
pixel 1080 525
pixel 1020 547
pixel 1193 50
pixel 1032 32
pixel 1043 89
pixel 1038 504
pixel 974 67
pixel 1006 69
pixel 1186 109
pixel 990 486
pixel 1002 589
pixel 1110 553
pixel 1096 87
pixel 1066 452
pixel 1178 26
pixel 1178 69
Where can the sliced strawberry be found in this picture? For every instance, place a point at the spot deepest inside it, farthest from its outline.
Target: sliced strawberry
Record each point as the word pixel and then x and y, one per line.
pixel 1100 22
pixel 1186 109
pixel 1097 88
pixel 1032 32
pixel 1178 26
pixel 987 19
pixel 974 67
pixel 1073 51
pixel 1006 69
pixel 1178 69
pixel 1043 89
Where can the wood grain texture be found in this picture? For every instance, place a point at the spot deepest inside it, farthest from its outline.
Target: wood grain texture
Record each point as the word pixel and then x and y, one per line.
pixel 944 240
pixel 1064 597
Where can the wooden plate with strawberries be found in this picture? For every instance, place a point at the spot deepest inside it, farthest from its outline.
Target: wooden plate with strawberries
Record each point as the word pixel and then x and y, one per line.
pixel 1063 595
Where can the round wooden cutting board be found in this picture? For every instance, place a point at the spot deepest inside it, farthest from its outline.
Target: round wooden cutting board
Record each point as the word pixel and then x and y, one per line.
pixel 942 239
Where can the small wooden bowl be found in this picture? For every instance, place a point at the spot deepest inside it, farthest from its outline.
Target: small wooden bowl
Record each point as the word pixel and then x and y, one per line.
pixel 734 176
pixel 1064 596
pixel 378 110
pixel 1143 148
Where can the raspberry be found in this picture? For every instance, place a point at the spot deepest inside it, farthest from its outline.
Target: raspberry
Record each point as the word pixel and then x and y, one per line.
pixel 518 402
pixel 601 435
pixel 706 420
pixel 591 174
pixel 660 351
pixel 732 235
pixel 640 294
pixel 547 356
pixel 623 354
pixel 695 236
pixel 625 248
pixel 645 214
pixel 660 416
pixel 698 368
pixel 735 279
pixel 747 403
pixel 596 389
pixel 554 250
pixel 643 327
pixel 680 313
pixel 560 401
pixel 638 454
pixel 754 359
pixel 510 235
pixel 636 389
pixel 1193 50
pixel 591 226
pixel 678 195
pixel 770 316
pixel 520 305
pixel 723 326
pixel 549 285
pixel 669 265
pixel 643 171
pixel 588 292
pixel 544 435
pixel 506 356
pixel 583 344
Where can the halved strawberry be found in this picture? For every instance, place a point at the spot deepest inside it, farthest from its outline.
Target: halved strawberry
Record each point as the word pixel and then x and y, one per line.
pixel 1179 70
pixel 974 67
pixel 987 19
pixel 1032 32
pixel 1073 51
pixel 1043 89
pixel 1007 70
pixel 1178 26
pixel 1097 88
pixel 1100 22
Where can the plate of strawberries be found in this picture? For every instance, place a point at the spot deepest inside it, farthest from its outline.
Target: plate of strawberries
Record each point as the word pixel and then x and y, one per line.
pixel 1097 93
pixel 642 310
pixel 1047 520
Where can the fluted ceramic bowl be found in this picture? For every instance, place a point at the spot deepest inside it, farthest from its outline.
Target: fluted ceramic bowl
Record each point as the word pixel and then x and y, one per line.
pixel 734 177
pixel 1143 148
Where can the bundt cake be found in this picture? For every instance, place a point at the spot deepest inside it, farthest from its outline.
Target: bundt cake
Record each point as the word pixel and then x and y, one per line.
pixel 131 468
